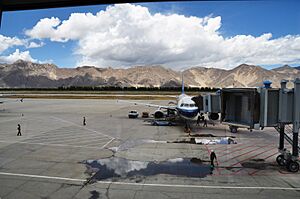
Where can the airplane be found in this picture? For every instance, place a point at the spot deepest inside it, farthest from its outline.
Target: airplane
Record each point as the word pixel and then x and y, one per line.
pixel 7 101
pixel 185 106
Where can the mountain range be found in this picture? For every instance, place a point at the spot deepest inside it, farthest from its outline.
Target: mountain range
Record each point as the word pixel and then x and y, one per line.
pixel 28 75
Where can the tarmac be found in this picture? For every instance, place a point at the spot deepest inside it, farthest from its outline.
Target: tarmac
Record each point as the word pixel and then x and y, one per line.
pixel 117 157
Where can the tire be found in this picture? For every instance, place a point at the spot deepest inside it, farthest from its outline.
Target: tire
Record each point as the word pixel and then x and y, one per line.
pixel 280 160
pixel 293 166
pixel 233 129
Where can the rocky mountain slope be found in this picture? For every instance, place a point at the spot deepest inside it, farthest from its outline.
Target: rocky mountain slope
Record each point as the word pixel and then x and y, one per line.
pixel 27 74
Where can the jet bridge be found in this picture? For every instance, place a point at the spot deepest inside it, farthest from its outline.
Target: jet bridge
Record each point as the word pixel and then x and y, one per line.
pixel 256 108
pixel 280 108
pixel 240 108
pixel 289 124
pixel 211 105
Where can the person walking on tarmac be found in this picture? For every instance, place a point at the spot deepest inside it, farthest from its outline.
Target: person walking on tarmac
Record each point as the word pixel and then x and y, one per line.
pixel 212 158
pixel 19 130
pixel 188 131
pixel 198 120
pixel 205 123
pixel 84 121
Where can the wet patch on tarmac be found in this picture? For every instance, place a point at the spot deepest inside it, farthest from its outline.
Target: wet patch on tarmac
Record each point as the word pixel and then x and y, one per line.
pixel 255 165
pixel 94 194
pixel 259 164
pixel 205 141
pixel 185 141
pixel 116 167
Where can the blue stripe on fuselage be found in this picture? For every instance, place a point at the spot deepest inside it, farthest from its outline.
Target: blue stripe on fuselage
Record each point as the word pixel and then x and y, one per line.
pixel 188 113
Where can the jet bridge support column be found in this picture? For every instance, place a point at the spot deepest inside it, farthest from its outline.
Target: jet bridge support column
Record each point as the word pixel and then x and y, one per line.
pixel 289 113
pixel 296 117
pixel 281 137
pixel 281 124
pixel 292 159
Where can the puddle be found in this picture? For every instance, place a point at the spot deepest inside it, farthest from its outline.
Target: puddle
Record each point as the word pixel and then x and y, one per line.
pixel 258 164
pixel 255 165
pixel 258 160
pixel 94 194
pixel 190 141
pixel 116 167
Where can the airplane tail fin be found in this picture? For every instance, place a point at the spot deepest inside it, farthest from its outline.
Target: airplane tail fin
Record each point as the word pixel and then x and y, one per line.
pixel 182 84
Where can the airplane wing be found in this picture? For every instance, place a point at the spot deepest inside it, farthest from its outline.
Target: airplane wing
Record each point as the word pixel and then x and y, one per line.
pixel 9 101
pixel 170 107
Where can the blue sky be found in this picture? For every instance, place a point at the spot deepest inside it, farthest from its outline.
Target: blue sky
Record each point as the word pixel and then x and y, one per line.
pixel 255 18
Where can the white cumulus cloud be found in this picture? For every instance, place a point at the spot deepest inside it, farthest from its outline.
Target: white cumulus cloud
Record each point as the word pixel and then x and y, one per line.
pixel 8 42
pixel 16 56
pixel 13 42
pixel 32 44
pixel 126 35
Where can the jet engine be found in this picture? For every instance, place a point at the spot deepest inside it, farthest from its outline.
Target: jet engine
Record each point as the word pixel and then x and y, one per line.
pixel 158 114
pixel 213 116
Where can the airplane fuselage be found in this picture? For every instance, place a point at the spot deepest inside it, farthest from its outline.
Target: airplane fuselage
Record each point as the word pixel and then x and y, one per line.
pixel 186 107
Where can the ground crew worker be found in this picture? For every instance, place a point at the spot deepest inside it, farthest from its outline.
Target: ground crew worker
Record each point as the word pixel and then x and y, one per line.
pixel 198 120
pixel 189 131
pixel 19 130
pixel 84 121
pixel 212 158
pixel 202 117
pixel 213 123
pixel 186 127
pixel 205 123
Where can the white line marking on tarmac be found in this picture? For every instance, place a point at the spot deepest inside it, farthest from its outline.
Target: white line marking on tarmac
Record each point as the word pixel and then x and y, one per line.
pixel 45 144
pixel 151 185
pixel 107 143
pixel 67 136
pixel 14 119
pixel 78 140
pixel 39 176
pixel 202 186
pixel 91 130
